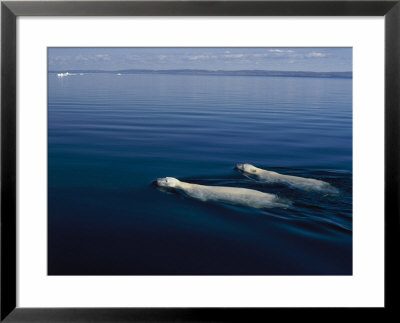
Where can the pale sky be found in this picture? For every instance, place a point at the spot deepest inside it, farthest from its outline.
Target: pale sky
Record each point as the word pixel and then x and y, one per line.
pixel 326 59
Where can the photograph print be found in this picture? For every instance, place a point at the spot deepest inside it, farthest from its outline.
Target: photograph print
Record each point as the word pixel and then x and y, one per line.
pixel 200 161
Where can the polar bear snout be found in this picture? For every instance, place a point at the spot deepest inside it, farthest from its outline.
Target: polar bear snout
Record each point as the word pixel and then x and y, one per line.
pixel 239 167
pixel 160 181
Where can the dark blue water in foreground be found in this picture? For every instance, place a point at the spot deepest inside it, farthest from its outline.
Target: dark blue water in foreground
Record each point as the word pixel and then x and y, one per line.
pixel 111 136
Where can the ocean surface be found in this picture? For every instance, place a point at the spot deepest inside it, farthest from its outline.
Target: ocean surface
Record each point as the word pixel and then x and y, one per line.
pixel 111 136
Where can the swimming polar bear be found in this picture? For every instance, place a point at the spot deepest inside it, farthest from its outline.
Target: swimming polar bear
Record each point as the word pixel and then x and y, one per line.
pixel 307 184
pixel 224 194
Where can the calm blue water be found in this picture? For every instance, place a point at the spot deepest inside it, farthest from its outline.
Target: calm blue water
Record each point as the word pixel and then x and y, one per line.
pixel 110 137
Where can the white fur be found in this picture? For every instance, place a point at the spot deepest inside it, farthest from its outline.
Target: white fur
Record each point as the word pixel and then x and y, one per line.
pixel 307 184
pixel 223 194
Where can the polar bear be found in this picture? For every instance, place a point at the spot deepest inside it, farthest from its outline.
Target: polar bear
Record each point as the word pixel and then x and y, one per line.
pixel 224 194
pixel 307 184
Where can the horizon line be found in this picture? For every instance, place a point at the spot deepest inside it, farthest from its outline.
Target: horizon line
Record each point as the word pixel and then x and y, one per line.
pixel 196 69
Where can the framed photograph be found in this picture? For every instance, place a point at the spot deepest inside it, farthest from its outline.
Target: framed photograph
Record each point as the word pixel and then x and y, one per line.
pixel 198 160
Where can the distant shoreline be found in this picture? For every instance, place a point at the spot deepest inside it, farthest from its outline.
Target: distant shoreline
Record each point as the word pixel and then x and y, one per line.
pixel 347 75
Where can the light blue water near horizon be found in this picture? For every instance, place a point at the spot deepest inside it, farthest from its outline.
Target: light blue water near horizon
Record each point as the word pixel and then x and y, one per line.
pixel 111 136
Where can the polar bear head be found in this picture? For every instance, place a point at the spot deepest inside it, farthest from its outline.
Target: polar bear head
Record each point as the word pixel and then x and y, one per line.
pixel 248 169
pixel 168 182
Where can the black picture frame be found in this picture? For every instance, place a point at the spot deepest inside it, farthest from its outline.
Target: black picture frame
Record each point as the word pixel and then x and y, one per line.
pixel 10 10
